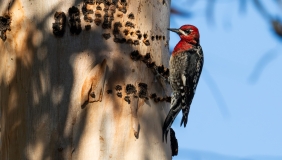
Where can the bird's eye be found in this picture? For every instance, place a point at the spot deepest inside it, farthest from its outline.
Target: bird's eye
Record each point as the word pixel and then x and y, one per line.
pixel 188 31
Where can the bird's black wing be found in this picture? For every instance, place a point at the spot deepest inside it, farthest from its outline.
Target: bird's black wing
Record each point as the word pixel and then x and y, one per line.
pixel 192 74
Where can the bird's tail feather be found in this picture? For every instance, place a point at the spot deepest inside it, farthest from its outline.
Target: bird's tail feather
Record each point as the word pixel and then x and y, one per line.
pixel 184 119
pixel 185 106
pixel 174 110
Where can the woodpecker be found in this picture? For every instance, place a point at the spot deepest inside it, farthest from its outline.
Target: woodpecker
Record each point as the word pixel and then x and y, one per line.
pixel 185 67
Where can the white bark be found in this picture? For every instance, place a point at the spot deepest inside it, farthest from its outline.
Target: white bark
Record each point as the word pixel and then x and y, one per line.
pixel 43 85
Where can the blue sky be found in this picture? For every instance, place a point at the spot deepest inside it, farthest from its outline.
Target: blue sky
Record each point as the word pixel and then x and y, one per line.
pixel 237 110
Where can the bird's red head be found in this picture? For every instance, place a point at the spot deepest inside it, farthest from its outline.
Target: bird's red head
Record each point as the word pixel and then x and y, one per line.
pixel 188 33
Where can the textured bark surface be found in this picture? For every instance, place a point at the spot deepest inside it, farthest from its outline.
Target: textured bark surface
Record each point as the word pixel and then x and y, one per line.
pixel 49 88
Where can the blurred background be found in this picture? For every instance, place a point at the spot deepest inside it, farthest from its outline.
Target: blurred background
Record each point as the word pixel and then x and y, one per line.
pixel 237 110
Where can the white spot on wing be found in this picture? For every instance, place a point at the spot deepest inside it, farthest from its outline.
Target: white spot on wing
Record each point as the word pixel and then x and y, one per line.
pixel 183 79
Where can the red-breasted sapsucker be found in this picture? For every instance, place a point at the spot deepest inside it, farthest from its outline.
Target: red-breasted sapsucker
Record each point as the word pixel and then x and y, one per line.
pixel 185 67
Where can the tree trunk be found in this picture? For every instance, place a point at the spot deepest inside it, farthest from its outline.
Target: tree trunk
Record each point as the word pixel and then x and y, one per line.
pixel 81 94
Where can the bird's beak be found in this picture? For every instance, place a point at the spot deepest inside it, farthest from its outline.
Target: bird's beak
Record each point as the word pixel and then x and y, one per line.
pixel 176 30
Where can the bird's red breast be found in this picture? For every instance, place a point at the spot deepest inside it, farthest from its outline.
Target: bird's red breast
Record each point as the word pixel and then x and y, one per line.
pixel 181 46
